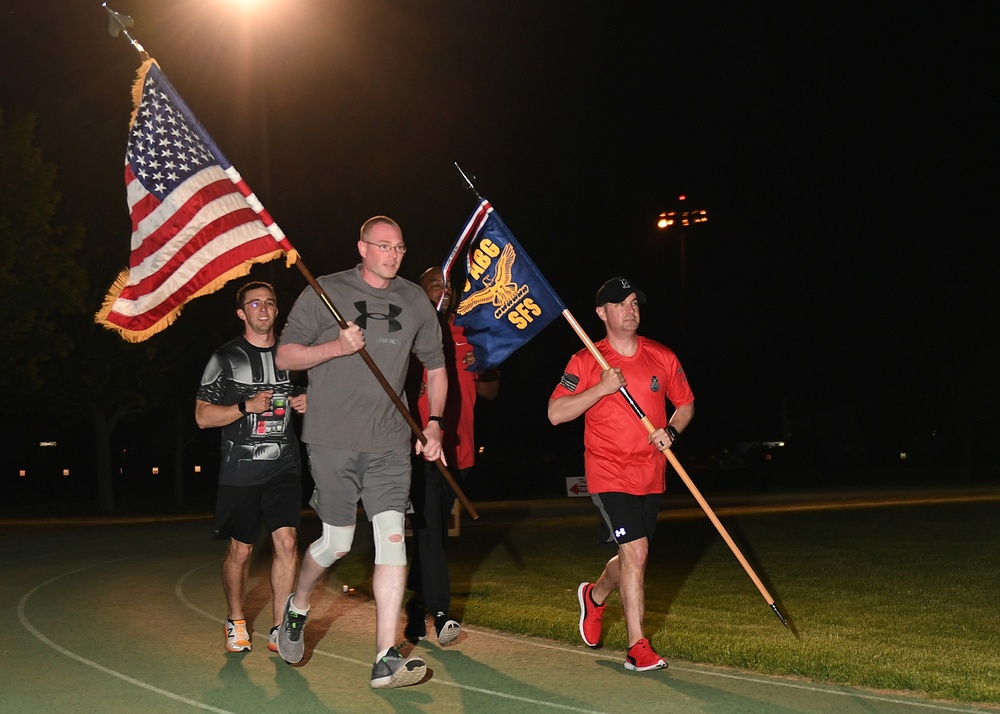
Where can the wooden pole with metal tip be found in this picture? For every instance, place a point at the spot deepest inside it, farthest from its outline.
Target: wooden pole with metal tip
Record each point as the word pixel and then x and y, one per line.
pixel 592 348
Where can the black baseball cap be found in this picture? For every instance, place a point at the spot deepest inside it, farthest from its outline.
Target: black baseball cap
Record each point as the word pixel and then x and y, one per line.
pixel 617 289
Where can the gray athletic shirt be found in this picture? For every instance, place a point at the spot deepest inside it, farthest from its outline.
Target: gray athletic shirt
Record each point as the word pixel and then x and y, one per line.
pixel 348 408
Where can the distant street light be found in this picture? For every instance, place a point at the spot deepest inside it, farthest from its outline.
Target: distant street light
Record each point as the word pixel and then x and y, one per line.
pixel 680 221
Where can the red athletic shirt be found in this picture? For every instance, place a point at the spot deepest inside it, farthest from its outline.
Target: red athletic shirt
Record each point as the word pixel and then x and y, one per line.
pixel 617 453
pixel 459 439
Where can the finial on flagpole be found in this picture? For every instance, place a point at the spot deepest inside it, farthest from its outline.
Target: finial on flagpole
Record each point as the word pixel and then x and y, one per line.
pixel 468 182
pixel 119 24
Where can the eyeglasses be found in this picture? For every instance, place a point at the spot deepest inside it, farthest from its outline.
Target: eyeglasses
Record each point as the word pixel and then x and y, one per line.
pixel 400 248
pixel 257 304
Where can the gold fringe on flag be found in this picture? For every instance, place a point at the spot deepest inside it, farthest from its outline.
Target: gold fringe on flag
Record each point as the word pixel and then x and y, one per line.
pixel 130 335
pixel 117 320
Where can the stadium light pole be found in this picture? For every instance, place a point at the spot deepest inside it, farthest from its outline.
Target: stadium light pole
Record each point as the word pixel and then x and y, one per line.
pixel 679 220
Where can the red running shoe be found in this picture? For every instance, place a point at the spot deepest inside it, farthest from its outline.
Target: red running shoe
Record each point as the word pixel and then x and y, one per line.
pixel 642 658
pixel 590 615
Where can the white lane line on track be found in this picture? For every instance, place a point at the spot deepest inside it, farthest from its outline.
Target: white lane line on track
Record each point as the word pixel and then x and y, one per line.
pixel 852 695
pixel 436 679
pixel 179 591
pixel 598 654
pixel 90 663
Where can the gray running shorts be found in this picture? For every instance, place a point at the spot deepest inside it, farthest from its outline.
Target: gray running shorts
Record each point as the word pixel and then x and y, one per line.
pixel 380 480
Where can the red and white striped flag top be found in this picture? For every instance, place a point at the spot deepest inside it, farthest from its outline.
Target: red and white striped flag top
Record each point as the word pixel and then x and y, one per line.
pixel 195 223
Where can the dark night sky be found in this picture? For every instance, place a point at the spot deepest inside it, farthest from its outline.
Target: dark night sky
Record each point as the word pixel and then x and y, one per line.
pixel 846 153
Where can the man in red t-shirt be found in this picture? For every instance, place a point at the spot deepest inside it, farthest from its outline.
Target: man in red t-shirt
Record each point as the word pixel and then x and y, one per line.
pixel 431 497
pixel 623 464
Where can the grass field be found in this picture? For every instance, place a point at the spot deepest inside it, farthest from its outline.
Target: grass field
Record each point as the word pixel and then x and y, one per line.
pixel 900 597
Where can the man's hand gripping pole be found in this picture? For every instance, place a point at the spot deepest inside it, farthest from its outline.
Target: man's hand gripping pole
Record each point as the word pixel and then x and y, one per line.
pixel 397 402
pixel 679 469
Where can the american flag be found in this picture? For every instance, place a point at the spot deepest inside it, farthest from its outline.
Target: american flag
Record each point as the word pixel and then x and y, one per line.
pixel 195 223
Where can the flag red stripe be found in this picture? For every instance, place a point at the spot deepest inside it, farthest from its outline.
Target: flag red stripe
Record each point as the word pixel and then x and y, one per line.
pixel 477 223
pixel 144 206
pixel 155 239
pixel 195 223
pixel 151 282
pixel 243 188
pixel 472 228
pixel 220 225
pixel 204 276
pixel 265 217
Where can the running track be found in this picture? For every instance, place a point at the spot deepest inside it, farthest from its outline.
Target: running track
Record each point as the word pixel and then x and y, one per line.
pixel 127 617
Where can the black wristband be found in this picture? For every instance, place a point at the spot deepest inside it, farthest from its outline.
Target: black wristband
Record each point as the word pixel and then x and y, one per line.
pixel 673 434
pixel 242 406
pixel 439 420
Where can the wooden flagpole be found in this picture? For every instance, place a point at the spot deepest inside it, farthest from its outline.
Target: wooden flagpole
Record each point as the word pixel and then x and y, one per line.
pixel 397 402
pixel 592 348
pixel 118 24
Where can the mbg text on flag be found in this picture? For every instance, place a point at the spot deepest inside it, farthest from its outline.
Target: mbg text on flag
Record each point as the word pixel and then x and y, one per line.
pixel 504 301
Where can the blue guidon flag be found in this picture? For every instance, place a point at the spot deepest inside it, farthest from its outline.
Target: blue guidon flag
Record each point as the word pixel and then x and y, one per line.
pixel 505 301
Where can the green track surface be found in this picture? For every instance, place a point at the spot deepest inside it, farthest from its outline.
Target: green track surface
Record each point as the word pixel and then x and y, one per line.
pixel 891 600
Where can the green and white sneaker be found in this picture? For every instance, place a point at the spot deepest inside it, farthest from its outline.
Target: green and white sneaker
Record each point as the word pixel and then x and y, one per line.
pixel 291 646
pixel 393 670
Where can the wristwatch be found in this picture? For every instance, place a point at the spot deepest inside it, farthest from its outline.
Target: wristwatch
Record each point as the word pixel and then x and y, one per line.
pixel 242 406
pixel 439 420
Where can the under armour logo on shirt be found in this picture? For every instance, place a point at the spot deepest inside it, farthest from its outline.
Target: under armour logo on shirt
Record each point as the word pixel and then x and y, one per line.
pixel 364 316
pixel 619 532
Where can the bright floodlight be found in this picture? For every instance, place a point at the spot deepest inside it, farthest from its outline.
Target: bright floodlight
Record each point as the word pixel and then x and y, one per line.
pixel 665 221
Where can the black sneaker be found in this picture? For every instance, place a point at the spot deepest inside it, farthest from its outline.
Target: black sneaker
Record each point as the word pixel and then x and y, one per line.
pixel 448 630
pixel 416 622
pixel 291 646
pixel 393 670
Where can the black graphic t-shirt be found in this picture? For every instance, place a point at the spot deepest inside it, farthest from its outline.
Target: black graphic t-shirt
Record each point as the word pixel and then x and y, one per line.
pixel 258 447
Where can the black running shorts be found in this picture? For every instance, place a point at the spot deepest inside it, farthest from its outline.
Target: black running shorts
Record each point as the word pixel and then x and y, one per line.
pixel 625 517
pixel 241 510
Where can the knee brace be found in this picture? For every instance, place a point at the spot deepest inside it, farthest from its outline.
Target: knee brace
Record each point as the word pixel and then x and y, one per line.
pixel 333 545
pixel 390 547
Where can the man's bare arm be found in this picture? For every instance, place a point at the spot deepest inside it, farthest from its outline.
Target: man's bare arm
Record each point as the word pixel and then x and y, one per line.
pixel 568 408
pixel 294 357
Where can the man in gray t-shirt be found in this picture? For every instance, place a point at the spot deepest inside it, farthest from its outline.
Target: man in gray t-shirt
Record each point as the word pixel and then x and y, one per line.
pixel 359 444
